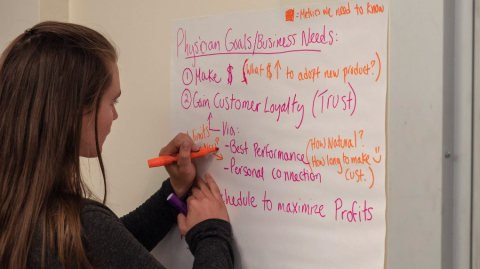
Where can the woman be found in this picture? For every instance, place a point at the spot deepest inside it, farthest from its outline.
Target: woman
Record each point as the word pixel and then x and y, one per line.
pixel 59 84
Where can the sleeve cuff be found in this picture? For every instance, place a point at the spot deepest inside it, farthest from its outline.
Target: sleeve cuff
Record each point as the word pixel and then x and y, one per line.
pixel 211 228
pixel 166 190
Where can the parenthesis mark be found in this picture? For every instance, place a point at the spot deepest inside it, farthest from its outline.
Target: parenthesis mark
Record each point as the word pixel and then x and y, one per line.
pixel 313 106
pixel 379 66
pixel 306 154
pixel 355 96
pixel 373 177
pixel 244 77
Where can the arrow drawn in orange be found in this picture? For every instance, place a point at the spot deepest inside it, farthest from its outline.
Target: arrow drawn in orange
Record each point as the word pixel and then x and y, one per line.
pixel 219 157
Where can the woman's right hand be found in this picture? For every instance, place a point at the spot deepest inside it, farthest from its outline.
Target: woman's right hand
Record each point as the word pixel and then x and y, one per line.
pixel 182 173
pixel 204 203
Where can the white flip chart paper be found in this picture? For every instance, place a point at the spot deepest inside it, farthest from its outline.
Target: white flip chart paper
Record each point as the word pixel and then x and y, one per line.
pixel 294 98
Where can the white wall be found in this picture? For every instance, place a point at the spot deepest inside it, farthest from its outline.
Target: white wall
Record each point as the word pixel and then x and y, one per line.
pixel 18 15
pixel 476 139
pixel 54 10
pixel 15 17
pixel 415 127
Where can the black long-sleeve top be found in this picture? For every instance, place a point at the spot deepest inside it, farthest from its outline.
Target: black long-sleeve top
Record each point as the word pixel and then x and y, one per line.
pixel 112 242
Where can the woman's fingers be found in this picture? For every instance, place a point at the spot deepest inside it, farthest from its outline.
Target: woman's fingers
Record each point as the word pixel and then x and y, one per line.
pixel 184 159
pixel 182 172
pixel 203 187
pixel 197 193
pixel 190 199
pixel 182 224
pixel 204 203
pixel 212 185
pixel 174 146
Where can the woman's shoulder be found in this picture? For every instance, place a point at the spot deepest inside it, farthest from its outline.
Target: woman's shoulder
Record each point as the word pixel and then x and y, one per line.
pixel 95 209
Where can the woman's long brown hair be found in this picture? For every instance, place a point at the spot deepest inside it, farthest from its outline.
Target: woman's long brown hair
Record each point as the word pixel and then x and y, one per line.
pixel 48 76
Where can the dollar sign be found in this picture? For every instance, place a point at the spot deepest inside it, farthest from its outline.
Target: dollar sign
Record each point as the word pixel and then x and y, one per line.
pixel 269 74
pixel 230 76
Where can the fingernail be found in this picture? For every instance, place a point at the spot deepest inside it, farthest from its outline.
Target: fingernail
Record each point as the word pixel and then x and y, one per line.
pixel 185 145
pixel 195 147
pixel 207 175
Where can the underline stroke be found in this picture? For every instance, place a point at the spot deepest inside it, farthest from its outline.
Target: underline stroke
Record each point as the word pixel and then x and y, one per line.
pixel 251 53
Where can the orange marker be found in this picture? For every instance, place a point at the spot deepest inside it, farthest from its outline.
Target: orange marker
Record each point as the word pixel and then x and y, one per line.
pixel 164 160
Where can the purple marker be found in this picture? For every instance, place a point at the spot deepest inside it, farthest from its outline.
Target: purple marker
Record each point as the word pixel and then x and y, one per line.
pixel 175 201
